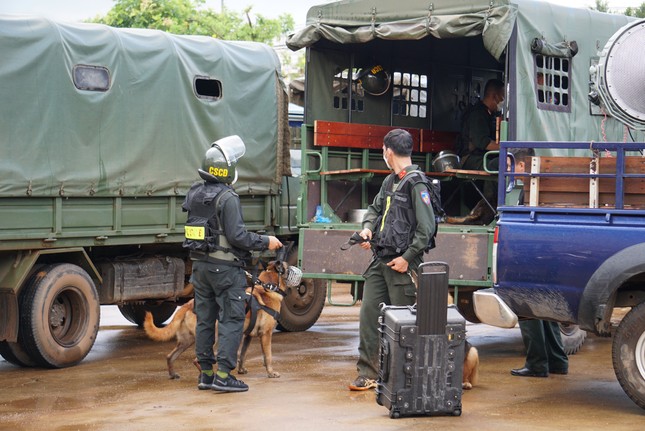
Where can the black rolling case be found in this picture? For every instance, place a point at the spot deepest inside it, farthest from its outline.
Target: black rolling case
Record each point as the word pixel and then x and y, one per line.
pixel 422 351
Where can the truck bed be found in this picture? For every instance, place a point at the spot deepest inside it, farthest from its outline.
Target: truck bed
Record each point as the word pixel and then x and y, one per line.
pixel 576 248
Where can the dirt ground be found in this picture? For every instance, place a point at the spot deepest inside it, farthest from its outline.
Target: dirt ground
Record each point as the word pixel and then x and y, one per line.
pixel 123 384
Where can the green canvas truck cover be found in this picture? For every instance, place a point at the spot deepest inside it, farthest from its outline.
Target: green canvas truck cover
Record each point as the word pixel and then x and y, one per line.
pixel 166 99
pixel 508 30
pixel 358 21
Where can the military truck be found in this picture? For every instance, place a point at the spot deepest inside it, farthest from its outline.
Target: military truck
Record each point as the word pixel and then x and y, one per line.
pixel 102 131
pixel 375 65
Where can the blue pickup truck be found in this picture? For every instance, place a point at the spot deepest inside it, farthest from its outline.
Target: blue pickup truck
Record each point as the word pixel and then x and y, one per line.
pixel 574 251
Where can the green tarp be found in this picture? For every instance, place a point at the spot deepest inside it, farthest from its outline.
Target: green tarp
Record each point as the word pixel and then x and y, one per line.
pixel 361 21
pixel 145 135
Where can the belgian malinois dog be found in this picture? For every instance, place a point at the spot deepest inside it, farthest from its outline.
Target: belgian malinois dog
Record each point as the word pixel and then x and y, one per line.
pixel 263 307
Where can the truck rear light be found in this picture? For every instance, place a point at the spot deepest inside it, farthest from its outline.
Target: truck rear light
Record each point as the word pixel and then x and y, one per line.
pixel 494 255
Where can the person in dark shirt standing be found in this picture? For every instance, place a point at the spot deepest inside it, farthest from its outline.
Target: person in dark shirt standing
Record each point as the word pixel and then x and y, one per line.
pixel 219 246
pixel 400 224
pixel 542 339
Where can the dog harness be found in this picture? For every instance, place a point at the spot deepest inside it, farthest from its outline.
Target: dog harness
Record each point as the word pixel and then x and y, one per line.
pixel 253 305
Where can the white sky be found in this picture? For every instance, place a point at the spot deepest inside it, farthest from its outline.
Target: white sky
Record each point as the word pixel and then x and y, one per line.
pixel 78 10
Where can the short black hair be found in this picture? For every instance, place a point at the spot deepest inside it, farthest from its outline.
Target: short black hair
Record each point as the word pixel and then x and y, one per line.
pixel 399 141
pixel 493 86
pixel 522 154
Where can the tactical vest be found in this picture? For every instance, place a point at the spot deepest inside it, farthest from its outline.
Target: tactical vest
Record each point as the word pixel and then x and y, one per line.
pixel 395 228
pixel 203 228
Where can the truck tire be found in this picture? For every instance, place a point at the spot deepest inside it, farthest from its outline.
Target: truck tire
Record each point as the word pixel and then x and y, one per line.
pixel 628 354
pixel 15 354
pixel 302 306
pixel 136 313
pixel 59 316
pixel 572 337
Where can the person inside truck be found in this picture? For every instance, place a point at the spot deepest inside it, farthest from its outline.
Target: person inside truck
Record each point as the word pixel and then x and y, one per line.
pixel 479 135
pixel 479 128
pixel 219 247
pixel 542 339
pixel 399 226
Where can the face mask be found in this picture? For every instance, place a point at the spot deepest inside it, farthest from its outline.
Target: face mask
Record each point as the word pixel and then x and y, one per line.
pixel 500 105
pixel 386 163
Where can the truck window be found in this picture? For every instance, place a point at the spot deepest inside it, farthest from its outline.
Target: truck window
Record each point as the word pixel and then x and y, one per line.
pixel 208 88
pixel 410 95
pixel 341 95
pixel 552 83
pixel 91 78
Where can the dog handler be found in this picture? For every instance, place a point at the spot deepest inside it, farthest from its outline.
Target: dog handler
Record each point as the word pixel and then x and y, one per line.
pixel 219 245
pixel 401 225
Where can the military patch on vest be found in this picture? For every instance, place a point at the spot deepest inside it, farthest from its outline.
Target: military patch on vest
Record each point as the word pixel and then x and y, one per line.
pixel 425 197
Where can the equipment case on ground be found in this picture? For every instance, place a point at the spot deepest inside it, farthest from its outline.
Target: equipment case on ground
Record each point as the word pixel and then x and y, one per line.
pixel 421 355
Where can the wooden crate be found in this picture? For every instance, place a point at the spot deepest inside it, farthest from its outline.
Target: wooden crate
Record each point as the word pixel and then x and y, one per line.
pixel 584 192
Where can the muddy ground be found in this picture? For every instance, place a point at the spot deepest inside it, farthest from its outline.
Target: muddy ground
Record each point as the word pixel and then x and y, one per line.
pixel 123 385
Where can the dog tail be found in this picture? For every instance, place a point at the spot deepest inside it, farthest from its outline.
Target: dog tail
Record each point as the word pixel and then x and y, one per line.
pixel 168 332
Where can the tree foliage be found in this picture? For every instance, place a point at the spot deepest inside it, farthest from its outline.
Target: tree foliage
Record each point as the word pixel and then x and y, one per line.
pixel 601 6
pixel 638 12
pixel 190 17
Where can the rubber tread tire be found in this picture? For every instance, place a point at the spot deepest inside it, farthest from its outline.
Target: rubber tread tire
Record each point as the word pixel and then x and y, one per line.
pixel 630 336
pixel 136 313
pixel 59 316
pixel 572 338
pixel 15 354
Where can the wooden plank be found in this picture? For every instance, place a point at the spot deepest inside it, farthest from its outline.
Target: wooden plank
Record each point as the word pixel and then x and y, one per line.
pixel 563 199
pixel 355 135
pixel 563 184
pixel 433 141
pixel 581 185
pixel 580 165
pixel 570 165
pixel 356 171
pixel 573 192
pixel 467 172
pixel 381 172
pixel 633 188
pixel 633 165
pixel 633 201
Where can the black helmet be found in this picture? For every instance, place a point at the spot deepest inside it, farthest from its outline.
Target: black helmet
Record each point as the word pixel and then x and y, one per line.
pixel 221 158
pixel 375 80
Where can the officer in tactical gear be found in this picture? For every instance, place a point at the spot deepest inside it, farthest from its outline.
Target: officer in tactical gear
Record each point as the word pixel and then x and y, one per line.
pixel 219 246
pixel 399 226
